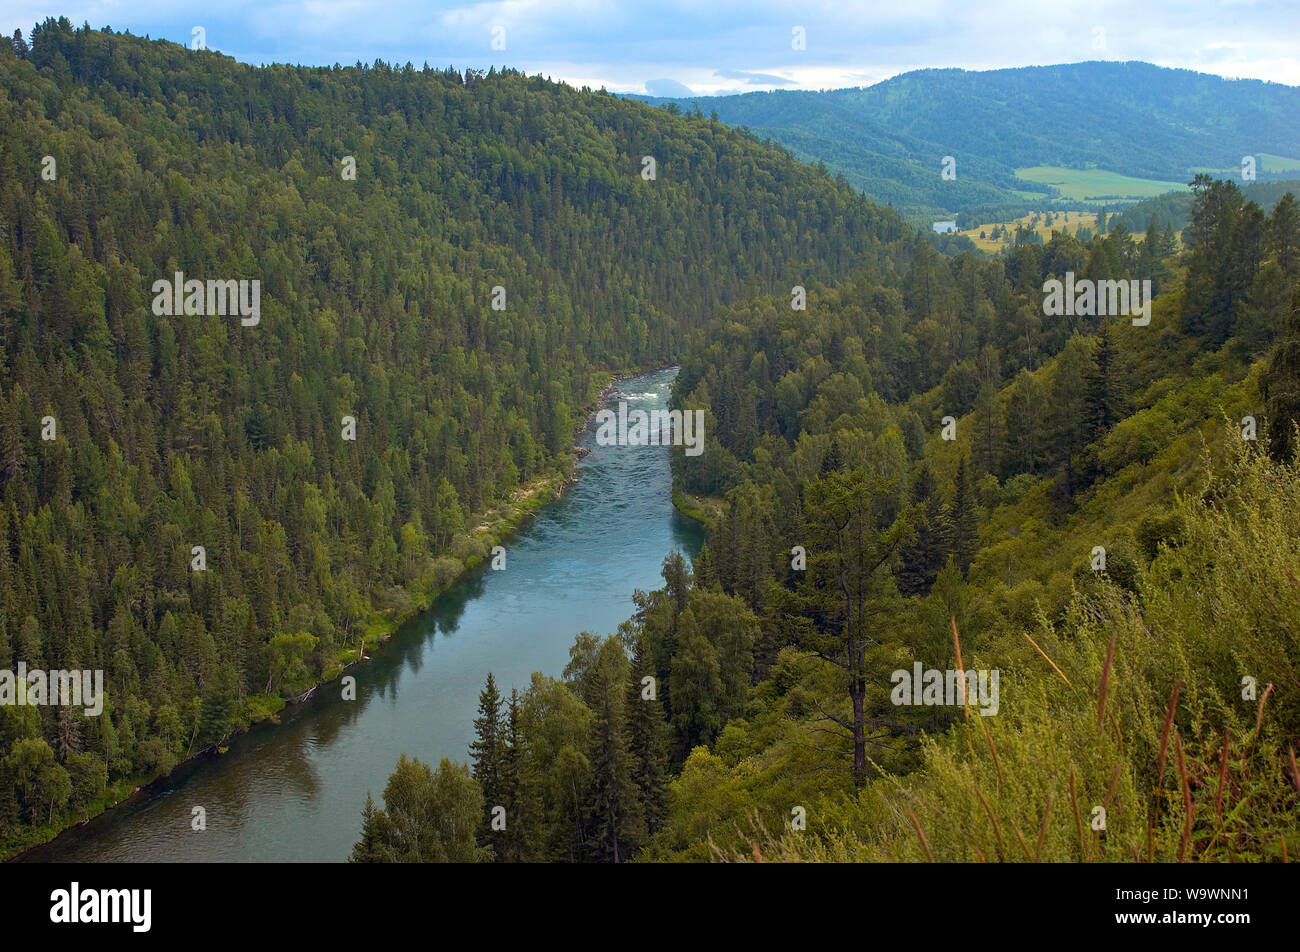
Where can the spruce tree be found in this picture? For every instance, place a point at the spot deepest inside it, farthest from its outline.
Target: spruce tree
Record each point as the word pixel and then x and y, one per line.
pixel 1284 233
pixel 615 822
pixel 922 559
pixel 519 792
pixel 1281 387
pixel 374 824
pixel 1023 446
pixel 1100 398
pixel 647 738
pixel 486 751
pixel 696 684
pixel 965 522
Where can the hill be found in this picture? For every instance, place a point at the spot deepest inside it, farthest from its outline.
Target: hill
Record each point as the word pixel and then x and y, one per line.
pixel 218 508
pixel 1087 520
pixel 1131 119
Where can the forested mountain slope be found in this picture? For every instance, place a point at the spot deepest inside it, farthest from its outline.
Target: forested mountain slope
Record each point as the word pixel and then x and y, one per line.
pixel 125 161
pixel 1133 118
pixel 1093 517
pixel 1108 529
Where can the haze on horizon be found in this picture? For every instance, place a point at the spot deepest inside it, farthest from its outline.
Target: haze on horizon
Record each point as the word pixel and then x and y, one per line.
pixel 679 47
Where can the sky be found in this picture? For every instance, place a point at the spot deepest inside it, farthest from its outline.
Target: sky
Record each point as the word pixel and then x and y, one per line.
pixel 700 47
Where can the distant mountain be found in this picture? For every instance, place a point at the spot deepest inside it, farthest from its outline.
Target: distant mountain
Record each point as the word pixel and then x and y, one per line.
pixel 1134 119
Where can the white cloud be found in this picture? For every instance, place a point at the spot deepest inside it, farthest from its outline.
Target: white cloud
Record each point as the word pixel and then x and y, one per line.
pixel 622 43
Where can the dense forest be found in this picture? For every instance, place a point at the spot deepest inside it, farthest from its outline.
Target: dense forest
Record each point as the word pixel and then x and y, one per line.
pixel 1111 528
pixel 922 467
pixel 890 138
pixel 218 513
pixel 1175 208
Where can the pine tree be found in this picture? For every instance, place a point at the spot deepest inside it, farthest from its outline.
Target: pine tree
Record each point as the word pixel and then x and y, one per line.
pixel 486 753
pixel 849 588
pixel 1168 241
pixel 519 793
pixel 696 681
pixel 1100 397
pixel 834 458
pixel 218 706
pixel 965 522
pixel 615 821
pixel 1023 443
pixel 987 437
pixel 1284 233
pixel 925 556
pixel 1069 425
pixel 677 577
pixel 1281 387
pixel 647 738
pixel 374 825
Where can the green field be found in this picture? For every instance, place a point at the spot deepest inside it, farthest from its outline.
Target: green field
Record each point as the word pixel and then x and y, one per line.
pixel 1086 185
pixel 1266 162
pixel 1277 163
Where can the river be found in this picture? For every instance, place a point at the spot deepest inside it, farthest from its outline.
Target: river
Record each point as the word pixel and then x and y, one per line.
pixel 293 791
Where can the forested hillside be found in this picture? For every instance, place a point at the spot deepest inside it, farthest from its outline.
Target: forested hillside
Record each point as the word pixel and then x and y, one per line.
pixel 218 510
pixel 455 261
pixel 1133 118
pixel 1175 208
pixel 923 469
pixel 1107 529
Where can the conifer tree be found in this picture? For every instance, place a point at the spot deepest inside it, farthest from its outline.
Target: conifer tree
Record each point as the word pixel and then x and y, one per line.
pixel 965 522
pixel 370 848
pixel 1100 399
pixel 647 737
pixel 696 682
pixel 519 793
pixel 849 587
pixel 1284 233
pixel 922 559
pixel 1023 441
pixel 615 821
pixel 486 753
pixel 1281 387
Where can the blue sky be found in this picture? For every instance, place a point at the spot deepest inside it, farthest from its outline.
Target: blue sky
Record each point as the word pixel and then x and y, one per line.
pixel 669 47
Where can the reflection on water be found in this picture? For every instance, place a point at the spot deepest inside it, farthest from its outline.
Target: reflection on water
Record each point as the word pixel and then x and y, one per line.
pixel 294 792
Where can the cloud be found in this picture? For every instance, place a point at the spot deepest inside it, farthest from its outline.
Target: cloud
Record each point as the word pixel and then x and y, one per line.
pixel 715 45
pixel 667 87
pixel 754 79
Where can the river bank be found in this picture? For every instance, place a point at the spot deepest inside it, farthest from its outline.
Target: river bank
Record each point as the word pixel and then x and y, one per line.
pixel 495 526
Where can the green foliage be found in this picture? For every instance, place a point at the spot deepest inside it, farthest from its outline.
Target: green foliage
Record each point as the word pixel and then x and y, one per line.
pixel 1127 450
pixel 1281 386
pixel 376 303
pixel 488 753
pixel 428 817
pixel 876 136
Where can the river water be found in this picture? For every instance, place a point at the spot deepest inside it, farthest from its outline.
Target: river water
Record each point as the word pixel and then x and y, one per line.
pixel 294 791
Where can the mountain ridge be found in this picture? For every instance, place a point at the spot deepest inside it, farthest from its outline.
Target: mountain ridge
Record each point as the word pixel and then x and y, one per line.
pixel 890 138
